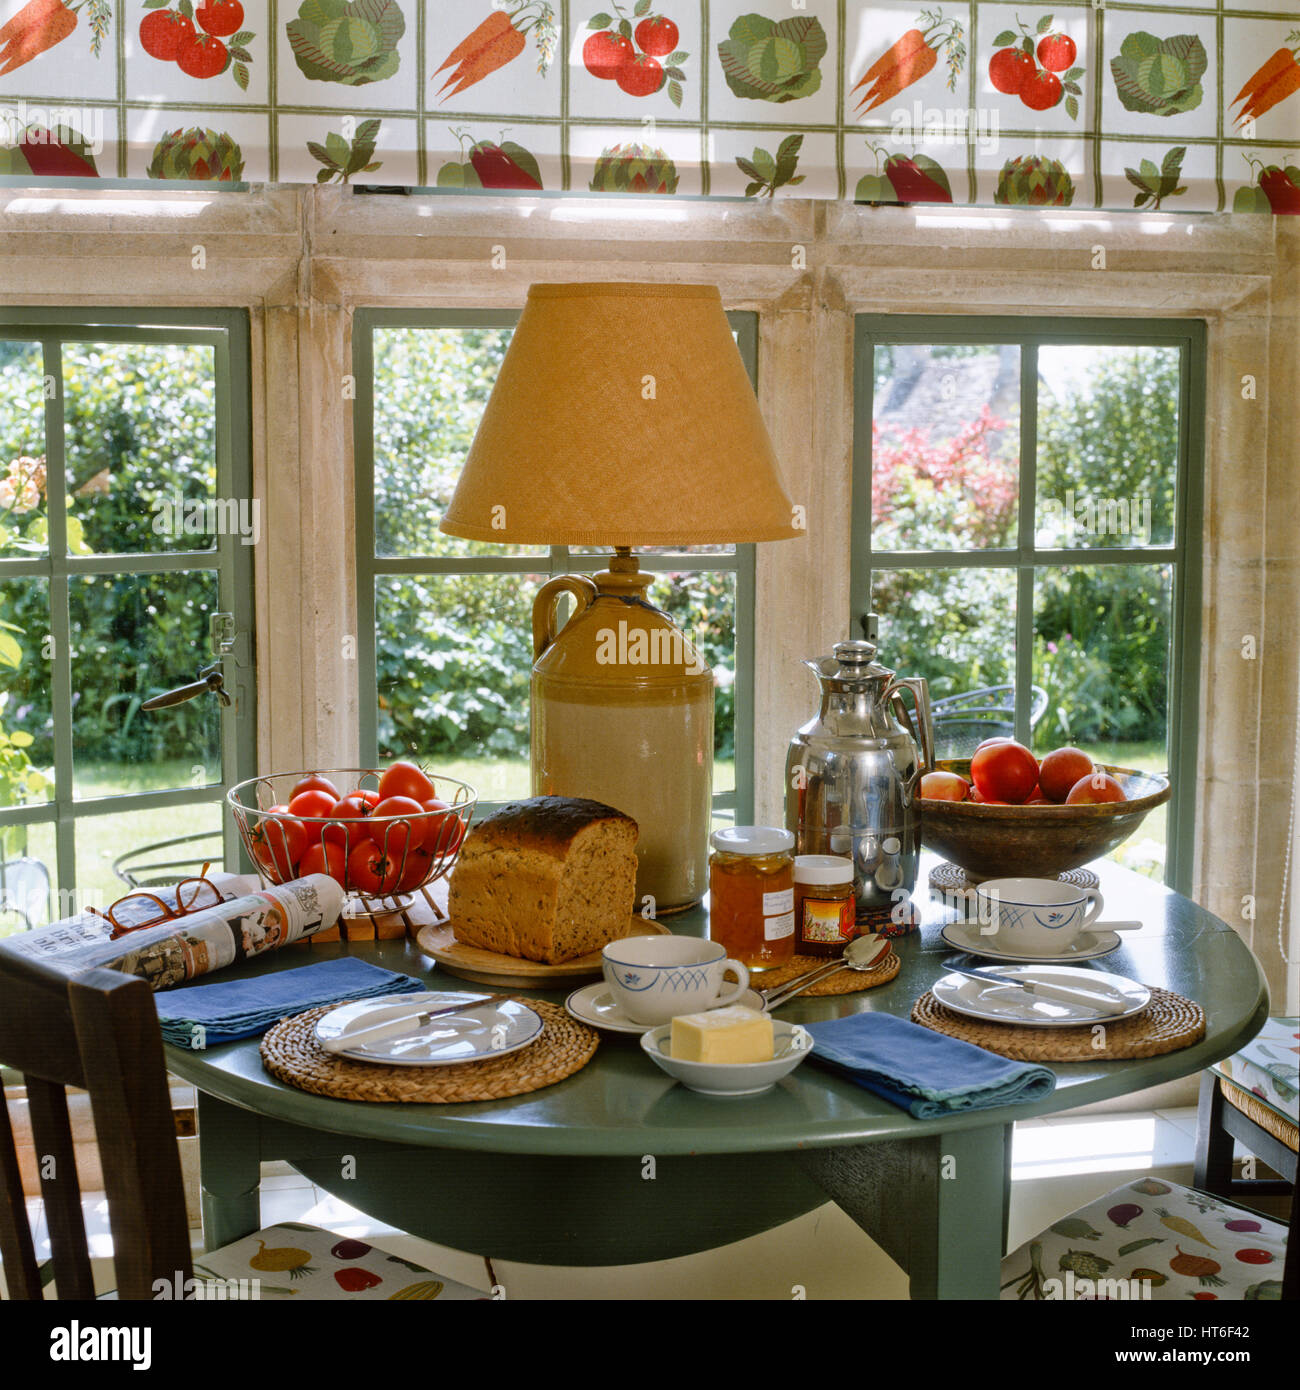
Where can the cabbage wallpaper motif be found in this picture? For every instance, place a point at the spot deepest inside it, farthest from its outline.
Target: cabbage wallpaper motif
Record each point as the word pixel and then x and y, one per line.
pixel 1173 108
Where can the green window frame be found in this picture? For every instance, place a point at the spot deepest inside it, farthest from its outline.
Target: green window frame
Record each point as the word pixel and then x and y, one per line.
pixel 737 805
pixel 226 332
pixel 1188 336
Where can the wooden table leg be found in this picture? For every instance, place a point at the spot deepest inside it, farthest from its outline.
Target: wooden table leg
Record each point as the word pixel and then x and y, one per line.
pixel 230 1172
pixel 937 1206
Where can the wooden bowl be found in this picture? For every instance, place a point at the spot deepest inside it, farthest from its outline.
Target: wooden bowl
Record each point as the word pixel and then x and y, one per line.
pixel 1035 841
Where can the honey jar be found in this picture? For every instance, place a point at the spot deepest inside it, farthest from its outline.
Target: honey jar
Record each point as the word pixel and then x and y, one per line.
pixel 751 894
pixel 825 905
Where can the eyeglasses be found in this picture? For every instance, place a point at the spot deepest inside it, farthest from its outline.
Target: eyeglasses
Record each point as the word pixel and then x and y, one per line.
pixel 192 895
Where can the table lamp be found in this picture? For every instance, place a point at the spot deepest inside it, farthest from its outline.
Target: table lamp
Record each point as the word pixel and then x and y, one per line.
pixel 623 416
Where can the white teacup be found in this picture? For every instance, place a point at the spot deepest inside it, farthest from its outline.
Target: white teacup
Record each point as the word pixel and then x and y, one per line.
pixel 655 978
pixel 1035 916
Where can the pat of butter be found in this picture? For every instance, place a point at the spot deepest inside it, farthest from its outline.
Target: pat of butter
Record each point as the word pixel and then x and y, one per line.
pixel 733 1033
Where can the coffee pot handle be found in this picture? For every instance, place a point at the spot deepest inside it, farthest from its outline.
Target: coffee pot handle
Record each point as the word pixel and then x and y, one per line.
pixel 546 607
pixel 924 724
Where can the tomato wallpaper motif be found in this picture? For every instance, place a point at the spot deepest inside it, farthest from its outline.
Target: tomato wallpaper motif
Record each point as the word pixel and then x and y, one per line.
pixel 1145 108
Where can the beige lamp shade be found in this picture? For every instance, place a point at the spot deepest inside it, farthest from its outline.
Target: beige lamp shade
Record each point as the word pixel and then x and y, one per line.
pixel 622 416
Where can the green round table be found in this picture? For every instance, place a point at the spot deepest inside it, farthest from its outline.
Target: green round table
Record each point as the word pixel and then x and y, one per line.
pixel 620 1164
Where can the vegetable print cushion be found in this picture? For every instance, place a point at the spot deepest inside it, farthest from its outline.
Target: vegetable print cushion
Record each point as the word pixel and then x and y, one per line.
pixel 1269 1066
pixel 1151 1239
pixel 306 1262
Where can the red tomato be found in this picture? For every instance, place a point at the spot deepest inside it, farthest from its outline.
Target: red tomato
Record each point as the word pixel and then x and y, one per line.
pixel 219 17
pixel 642 77
pixel 278 843
pixel 405 779
pixel 368 798
pixel 657 36
pixel 395 835
pixel 1255 1257
pixel 1004 772
pixel 604 54
pixel 325 859
pixel 356 1280
pixel 347 809
pixel 419 865
pixel 445 828
pixel 164 33
pixel 371 871
pixel 205 57
pixel 315 783
pixel 314 805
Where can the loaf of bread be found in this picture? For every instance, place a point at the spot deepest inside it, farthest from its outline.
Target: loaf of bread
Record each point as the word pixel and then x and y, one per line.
pixel 549 879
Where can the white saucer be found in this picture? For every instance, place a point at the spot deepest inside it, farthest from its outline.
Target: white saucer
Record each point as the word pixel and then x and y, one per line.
pixel 596 1005
pixel 998 1003
pixel 965 936
pixel 490 1030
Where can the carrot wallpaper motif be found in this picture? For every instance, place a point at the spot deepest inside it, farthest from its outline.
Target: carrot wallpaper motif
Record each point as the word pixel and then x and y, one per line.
pixel 1158 109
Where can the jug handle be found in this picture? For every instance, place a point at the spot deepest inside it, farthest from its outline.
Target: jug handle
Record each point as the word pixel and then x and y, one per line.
pixel 546 607
pixel 924 724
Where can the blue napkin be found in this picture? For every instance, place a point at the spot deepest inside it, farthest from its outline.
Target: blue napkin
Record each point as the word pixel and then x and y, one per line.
pixel 246 1008
pixel 922 1071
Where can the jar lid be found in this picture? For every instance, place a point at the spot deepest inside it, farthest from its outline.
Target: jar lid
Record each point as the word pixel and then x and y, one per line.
pixel 752 839
pixel 822 869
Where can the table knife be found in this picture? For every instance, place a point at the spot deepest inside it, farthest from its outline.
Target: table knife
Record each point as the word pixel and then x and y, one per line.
pixel 407 1023
pixel 1103 1003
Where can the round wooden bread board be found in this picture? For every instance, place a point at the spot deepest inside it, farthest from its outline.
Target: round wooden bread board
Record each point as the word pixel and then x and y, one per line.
pixel 482 967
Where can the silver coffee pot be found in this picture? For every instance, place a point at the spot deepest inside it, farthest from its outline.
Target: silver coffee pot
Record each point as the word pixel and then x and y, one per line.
pixel 853 774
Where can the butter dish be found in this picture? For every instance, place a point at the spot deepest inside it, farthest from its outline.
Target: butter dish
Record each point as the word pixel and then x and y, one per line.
pixel 792 1045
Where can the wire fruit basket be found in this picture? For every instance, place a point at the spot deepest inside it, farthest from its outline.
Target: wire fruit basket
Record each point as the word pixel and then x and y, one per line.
pixel 380 861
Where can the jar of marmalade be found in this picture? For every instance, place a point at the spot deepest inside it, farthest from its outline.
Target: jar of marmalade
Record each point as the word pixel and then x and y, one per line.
pixel 751 894
pixel 825 905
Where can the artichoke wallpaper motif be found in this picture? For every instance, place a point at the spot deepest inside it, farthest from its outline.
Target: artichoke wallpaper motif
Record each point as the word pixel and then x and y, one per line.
pixel 1187 108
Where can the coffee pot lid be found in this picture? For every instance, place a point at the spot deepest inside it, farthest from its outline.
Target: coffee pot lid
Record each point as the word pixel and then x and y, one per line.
pixel 852 661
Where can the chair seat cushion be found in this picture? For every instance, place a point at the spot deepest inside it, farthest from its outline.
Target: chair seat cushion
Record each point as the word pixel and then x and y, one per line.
pixel 1269 1067
pixel 1151 1239
pixel 307 1262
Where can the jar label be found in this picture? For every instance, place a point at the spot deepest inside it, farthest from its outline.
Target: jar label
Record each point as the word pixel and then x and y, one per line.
pixel 774 904
pixel 827 921
pixel 778 928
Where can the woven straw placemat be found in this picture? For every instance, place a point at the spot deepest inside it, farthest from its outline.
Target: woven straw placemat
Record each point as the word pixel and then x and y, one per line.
pixel 291 1054
pixel 1167 1024
pixel 842 982
pixel 952 878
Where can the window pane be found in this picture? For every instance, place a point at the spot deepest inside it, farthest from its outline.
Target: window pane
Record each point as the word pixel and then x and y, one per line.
pixel 27 878
pixel 955 627
pixel 1107 446
pixel 133 637
pixel 1101 652
pixel 453 656
pixel 22 450
pixel 26 722
pixel 431 386
pixel 703 605
pixel 945 446
pixel 140 440
pixel 103 839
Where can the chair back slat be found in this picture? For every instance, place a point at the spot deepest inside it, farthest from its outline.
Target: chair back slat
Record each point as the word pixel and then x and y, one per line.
pixel 56 1161
pixel 16 1250
pixel 97 1030
pixel 116 1023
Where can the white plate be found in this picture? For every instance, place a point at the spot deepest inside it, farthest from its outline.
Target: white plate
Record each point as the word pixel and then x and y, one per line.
pixel 792 1043
pixel 965 936
pixel 491 1030
pixel 596 1005
pixel 998 1003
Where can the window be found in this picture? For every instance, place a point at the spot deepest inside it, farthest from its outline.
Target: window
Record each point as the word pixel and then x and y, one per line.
pixel 1027 527
pixel 445 624
pixel 125 554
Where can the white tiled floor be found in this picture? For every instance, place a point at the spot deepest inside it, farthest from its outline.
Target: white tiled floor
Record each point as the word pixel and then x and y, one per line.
pixel 1059 1163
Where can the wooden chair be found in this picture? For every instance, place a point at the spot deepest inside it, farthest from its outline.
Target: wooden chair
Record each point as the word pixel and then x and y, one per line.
pixel 99 1031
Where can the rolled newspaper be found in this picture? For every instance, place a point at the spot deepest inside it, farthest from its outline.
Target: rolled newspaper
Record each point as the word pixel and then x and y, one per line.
pixel 176 952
